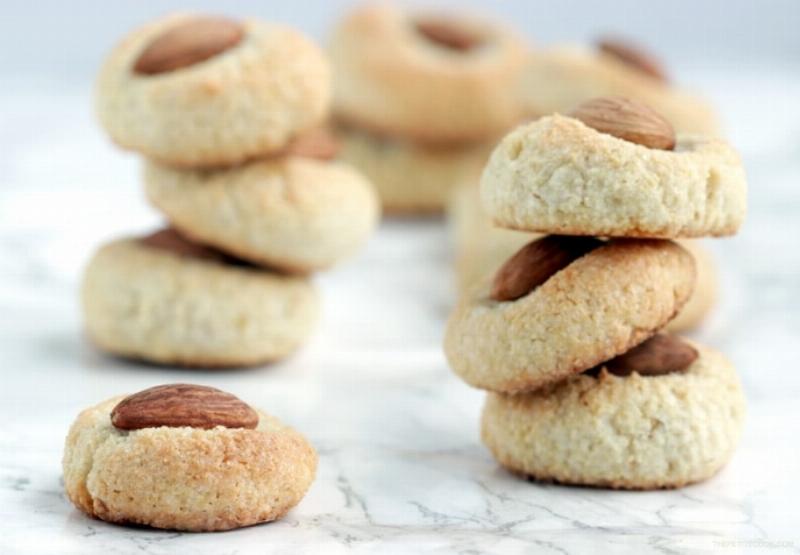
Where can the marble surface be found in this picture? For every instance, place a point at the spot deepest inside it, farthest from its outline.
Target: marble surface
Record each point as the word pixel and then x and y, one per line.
pixel 401 466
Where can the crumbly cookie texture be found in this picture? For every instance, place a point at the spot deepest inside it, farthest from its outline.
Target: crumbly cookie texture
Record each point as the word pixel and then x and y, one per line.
pixel 247 101
pixel 295 214
pixel 185 478
pixel 559 79
pixel 629 432
pixel 390 164
pixel 481 248
pixel 147 303
pixel 598 307
pixel 556 175
pixel 393 79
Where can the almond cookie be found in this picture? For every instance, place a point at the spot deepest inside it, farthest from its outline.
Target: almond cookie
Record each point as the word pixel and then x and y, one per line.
pixel 166 300
pixel 481 249
pixel 185 457
pixel 200 91
pixel 562 305
pixel 427 78
pixel 292 213
pixel 560 78
pixel 410 178
pixel 560 174
pixel 633 431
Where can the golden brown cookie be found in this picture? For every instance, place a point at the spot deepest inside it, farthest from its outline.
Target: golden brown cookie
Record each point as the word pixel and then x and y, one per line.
pixel 185 457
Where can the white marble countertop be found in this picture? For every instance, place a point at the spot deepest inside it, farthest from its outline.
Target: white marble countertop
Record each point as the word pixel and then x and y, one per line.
pixel 401 466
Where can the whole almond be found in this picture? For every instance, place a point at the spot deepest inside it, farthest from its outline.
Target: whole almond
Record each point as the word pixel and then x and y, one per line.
pixel 659 355
pixel 627 119
pixel 634 57
pixel 318 143
pixel 446 34
pixel 188 43
pixel 178 405
pixel 536 262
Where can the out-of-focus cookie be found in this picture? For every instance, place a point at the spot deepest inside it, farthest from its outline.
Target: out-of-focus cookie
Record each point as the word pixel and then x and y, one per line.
pixel 411 178
pixel 631 431
pixel 293 213
pixel 614 169
pixel 185 457
pixel 201 91
pixel 706 290
pixel 424 77
pixel 558 79
pixel 562 305
pixel 166 300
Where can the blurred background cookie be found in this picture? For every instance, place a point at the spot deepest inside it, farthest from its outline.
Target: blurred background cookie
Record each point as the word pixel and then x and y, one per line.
pixel 417 96
pixel 166 300
pixel 196 90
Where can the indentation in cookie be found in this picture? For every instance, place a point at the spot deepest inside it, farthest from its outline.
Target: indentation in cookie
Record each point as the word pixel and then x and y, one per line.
pixel 447 34
pixel 633 56
pixel 179 405
pixel 661 354
pixel 188 43
pixel 536 262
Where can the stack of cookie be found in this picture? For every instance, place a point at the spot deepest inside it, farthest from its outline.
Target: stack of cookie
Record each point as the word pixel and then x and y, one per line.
pixel 420 99
pixel 228 116
pixel 584 388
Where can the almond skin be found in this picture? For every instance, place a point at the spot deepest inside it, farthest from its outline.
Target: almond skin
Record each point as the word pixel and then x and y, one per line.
pixel 534 263
pixel 661 354
pixel 446 34
pixel 188 43
pixel 178 405
pixel 634 57
pixel 628 120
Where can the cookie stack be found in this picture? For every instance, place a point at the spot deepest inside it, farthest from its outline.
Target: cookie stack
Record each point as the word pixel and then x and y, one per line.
pixel 421 98
pixel 228 115
pixel 583 386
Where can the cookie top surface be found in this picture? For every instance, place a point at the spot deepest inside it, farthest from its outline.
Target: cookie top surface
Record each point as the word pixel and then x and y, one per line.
pixel 426 77
pixel 558 175
pixel 599 306
pixel 559 78
pixel 199 91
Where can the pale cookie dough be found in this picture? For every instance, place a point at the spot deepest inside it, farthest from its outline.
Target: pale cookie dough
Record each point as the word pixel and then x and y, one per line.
pixel 242 103
pixel 291 213
pixel 631 432
pixel 561 78
pixel 599 306
pixel 185 478
pixel 411 178
pixel 481 248
pixel 153 304
pixel 424 77
pixel 556 175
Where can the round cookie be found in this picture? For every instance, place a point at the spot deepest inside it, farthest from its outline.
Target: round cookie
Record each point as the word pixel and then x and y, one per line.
pixel 594 308
pixel 199 91
pixel 557 175
pixel 185 477
pixel 558 79
pixel 165 300
pixel 292 213
pixel 426 78
pixel 411 178
pixel 632 432
pixel 705 292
